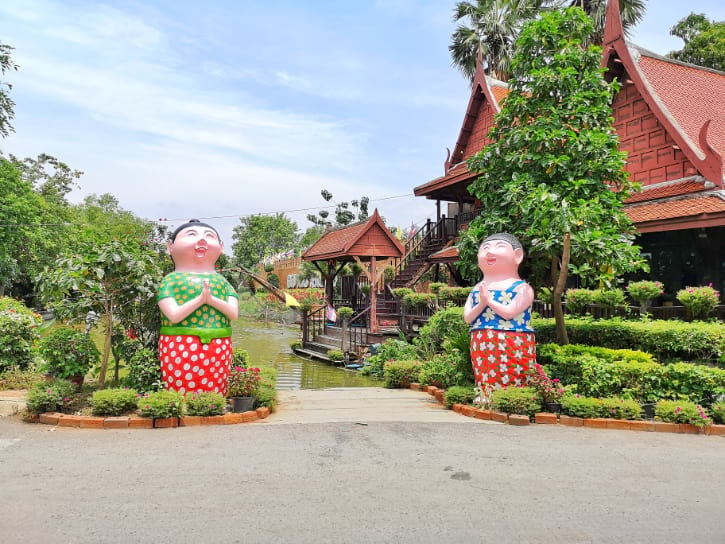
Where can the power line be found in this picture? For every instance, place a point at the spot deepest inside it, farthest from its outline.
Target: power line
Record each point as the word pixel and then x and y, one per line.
pixel 165 220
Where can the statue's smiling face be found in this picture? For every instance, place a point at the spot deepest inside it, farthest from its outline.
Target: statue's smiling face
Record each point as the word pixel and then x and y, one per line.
pixel 498 256
pixel 196 247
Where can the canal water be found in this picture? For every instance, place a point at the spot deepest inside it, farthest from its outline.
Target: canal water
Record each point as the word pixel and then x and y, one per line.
pixel 269 345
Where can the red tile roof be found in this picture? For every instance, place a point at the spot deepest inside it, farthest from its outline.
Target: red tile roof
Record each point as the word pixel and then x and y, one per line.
pixel 339 242
pixel 669 189
pixel 446 254
pixel 335 240
pixel 456 174
pixel 682 208
pixel 691 94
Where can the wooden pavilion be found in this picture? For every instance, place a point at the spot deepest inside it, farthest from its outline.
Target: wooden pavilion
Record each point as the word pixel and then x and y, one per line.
pixel 368 243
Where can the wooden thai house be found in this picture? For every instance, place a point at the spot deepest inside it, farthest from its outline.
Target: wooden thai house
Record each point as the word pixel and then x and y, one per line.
pixel 670 118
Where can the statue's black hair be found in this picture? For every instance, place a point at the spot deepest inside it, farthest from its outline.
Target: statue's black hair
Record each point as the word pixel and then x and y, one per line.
pixel 506 237
pixel 191 223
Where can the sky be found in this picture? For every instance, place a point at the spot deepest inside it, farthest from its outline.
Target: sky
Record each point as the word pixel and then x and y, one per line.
pixel 219 109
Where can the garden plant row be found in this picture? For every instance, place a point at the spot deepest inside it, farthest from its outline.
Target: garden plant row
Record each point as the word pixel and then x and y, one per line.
pixel 548 418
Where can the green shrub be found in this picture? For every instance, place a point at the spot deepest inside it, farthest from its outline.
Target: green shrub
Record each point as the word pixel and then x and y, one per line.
pixel 15 378
pixel 455 295
pixel 113 402
pixel 664 339
pixel 681 411
pixel 698 383
pixel 444 324
pixel 459 394
pixel 18 333
pixel 699 302
pixel 717 412
pixel 618 408
pixel 295 344
pixel 516 400
pixel 144 371
pixel 345 312
pixel 266 394
pixel 577 300
pixel 413 300
pixel 609 298
pixel 399 374
pixel 579 406
pixel 68 352
pixel 645 291
pixel 391 350
pixel 459 345
pixel 50 397
pixel 401 292
pixel 160 404
pixel 442 371
pixel 602 372
pixel 273 278
pixel 205 404
pixel 436 286
pixel 240 357
pixel 335 355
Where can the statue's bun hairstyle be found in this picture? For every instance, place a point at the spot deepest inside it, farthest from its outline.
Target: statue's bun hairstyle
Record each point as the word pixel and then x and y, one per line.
pixel 191 223
pixel 506 237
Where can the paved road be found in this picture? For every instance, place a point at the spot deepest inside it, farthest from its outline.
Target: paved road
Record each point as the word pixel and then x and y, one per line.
pixel 359 480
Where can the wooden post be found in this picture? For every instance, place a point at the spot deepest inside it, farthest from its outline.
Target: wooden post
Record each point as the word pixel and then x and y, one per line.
pixel 373 297
pixel 305 336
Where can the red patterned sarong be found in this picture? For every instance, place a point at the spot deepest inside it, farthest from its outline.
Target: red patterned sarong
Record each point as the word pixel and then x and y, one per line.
pixel 187 365
pixel 502 358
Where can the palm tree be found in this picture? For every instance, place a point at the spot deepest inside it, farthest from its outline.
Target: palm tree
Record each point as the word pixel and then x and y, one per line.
pixel 493 26
pixel 631 11
pixel 492 29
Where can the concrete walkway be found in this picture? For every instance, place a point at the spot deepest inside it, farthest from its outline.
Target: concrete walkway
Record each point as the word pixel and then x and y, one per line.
pixel 361 405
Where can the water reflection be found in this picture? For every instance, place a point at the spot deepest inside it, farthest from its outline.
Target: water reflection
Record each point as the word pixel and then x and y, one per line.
pixel 270 346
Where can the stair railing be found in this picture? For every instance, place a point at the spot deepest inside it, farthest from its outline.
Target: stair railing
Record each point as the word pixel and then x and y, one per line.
pixel 314 325
pixel 358 330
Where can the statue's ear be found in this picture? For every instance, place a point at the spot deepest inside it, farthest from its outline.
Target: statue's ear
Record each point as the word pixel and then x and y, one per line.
pixel 169 244
pixel 518 255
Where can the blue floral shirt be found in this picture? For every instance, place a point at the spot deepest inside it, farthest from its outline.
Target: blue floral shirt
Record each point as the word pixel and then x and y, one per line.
pixel 488 319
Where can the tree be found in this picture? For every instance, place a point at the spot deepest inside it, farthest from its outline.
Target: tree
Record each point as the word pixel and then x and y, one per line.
pixel 491 31
pixel 19 209
pixel 109 279
pixel 553 175
pixel 704 41
pixel 493 26
pixel 7 106
pixel 343 214
pixel 259 236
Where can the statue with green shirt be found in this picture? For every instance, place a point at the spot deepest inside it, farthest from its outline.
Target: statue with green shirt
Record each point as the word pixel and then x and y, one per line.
pixel 197 307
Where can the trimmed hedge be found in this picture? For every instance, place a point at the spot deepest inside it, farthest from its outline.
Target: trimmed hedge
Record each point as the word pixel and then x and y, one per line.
pixel 400 374
pixel 664 339
pixel 516 400
pixel 602 372
pixel 612 407
pixel 459 394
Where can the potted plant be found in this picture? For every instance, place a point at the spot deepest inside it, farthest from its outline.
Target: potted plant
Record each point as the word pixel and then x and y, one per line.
pixel 644 292
pixel 549 390
pixel 242 385
pixel 69 354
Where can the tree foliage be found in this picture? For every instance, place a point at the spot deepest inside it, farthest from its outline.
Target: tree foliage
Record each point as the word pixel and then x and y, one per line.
pixel 7 106
pixel 492 26
pixel 111 279
pixel 345 212
pixel 704 41
pixel 259 236
pixel 554 173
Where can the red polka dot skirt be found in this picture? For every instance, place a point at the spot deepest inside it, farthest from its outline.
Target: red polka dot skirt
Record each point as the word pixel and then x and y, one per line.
pixel 187 365
pixel 502 358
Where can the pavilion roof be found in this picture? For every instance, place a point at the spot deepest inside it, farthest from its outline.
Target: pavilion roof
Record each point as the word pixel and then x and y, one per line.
pixel 366 239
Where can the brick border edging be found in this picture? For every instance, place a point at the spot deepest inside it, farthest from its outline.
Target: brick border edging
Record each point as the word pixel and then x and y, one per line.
pixel 137 422
pixel 546 418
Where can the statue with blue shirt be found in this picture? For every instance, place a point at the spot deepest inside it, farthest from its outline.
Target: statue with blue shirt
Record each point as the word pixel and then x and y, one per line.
pixel 503 346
